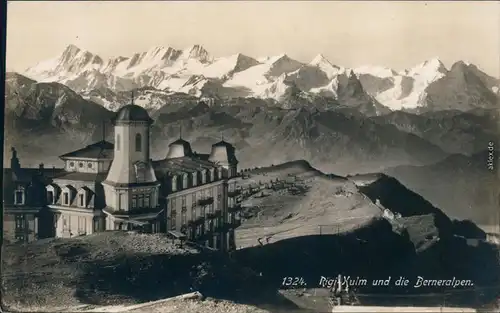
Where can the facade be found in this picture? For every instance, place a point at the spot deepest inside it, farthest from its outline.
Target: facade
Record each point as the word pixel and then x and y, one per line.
pixel 106 186
pixel 24 201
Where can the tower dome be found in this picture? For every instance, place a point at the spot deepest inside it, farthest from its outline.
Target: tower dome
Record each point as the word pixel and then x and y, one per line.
pixel 178 149
pixel 223 152
pixel 132 113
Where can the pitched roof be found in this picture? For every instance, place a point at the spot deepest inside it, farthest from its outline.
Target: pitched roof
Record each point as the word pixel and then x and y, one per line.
pixel 178 166
pixel 77 176
pixel 99 150
pixel 33 179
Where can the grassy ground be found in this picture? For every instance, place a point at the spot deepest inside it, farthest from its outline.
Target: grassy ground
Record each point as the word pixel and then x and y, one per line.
pixel 118 268
pixel 333 202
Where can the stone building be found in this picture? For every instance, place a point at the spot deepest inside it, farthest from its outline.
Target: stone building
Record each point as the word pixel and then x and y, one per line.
pixel 106 186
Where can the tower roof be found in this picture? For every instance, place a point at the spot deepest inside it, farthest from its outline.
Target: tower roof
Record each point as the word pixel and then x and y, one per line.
pixel 132 113
pixel 179 148
pixel 98 150
pixel 223 152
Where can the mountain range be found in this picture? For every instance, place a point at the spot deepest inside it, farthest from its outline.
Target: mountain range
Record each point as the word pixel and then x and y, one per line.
pixel 162 71
pixel 427 126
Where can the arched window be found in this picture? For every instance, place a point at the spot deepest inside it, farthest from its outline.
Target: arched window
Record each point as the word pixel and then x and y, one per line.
pixel 117 142
pixel 138 142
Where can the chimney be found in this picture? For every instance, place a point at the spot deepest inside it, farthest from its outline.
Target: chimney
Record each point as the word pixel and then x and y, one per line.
pixel 14 161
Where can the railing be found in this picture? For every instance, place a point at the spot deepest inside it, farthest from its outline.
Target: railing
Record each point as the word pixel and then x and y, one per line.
pixel 234 193
pixel 215 214
pixel 206 201
pixel 235 208
pixel 197 221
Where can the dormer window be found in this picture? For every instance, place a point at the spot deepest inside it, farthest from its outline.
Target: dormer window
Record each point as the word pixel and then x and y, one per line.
pixel 195 178
pixel 68 194
pixel 83 194
pixel 203 176
pixel 50 197
pixel 19 196
pixel 174 183
pixel 52 193
pixel 66 198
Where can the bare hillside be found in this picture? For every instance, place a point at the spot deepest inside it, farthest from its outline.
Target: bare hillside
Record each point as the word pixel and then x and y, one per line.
pixel 293 199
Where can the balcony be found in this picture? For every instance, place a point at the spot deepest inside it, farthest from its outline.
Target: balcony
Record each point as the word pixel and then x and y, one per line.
pixel 206 201
pixel 197 221
pixel 234 193
pixel 215 214
pixel 235 208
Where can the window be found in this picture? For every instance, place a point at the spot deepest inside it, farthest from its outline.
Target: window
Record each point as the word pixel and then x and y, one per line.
pixel 134 201
pixel 50 197
pixel 140 201
pixel 220 172
pixel 174 183
pixel 219 193
pixel 20 222
pixel 147 200
pixel 214 174
pixel 71 164
pixel 185 181
pixel 140 171
pixel 19 197
pixel 117 142
pixel 20 237
pixel 81 225
pixel 89 165
pixel 81 200
pixel 96 224
pixel 193 206
pixel 173 219
pixel 66 198
pixel 65 223
pixel 183 202
pixel 138 142
pixel 211 205
pixel 80 165
pixel 183 217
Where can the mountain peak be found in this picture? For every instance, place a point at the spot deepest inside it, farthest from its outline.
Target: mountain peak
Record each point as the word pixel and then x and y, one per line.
pixel 320 59
pixel 72 49
pixel 431 69
pixel 196 52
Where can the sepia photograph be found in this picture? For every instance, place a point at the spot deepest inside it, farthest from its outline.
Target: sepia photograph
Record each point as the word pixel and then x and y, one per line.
pixel 251 156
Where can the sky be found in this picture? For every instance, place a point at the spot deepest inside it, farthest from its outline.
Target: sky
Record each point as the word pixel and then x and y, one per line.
pixel 394 34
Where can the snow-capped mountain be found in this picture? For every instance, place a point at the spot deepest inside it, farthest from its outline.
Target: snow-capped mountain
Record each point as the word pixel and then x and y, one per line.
pixel 193 71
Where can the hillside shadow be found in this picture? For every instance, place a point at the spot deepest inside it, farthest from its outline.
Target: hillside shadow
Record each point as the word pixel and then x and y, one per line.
pixel 375 252
pixel 146 277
